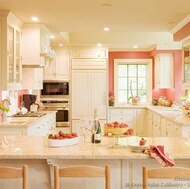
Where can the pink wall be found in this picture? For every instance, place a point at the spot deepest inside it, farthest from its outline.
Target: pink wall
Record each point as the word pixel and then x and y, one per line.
pixel 172 94
pixel 182 33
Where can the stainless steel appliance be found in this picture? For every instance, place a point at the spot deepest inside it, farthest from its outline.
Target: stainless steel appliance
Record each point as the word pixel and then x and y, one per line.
pixel 52 89
pixel 28 100
pixel 62 108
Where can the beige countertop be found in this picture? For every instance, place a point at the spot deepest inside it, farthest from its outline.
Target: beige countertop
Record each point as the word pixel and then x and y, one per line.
pixel 23 121
pixel 26 147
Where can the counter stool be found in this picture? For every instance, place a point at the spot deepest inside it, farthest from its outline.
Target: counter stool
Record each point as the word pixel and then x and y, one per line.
pixel 82 171
pixel 16 173
pixel 164 173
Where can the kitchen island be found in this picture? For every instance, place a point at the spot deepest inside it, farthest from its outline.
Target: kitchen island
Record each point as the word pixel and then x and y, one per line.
pixel 125 165
pixel 41 124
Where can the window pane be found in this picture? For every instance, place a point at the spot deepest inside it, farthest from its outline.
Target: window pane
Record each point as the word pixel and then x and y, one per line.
pixel 122 70
pixel 132 70
pixel 122 83
pixel 142 70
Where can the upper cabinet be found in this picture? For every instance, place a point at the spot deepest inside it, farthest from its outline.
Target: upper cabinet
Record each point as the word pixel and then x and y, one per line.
pixel 10 63
pixel 164 71
pixel 89 53
pixel 186 65
pixel 59 69
pixel 35 45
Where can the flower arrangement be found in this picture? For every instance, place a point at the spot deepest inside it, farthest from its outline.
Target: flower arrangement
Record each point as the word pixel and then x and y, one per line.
pixel 111 96
pixel 3 108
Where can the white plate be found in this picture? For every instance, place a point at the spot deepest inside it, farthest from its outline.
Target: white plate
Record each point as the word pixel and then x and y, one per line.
pixel 135 147
pixel 55 143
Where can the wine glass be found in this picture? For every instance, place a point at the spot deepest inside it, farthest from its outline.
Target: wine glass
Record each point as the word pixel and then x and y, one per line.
pixel 84 128
pixel 93 131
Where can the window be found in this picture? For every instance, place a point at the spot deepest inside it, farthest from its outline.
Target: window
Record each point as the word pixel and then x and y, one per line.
pixel 133 77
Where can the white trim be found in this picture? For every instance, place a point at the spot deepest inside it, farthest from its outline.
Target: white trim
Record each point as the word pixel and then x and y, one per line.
pixel 181 24
pixel 137 61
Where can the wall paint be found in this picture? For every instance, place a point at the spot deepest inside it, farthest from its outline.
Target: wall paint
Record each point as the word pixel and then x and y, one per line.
pixel 171 94
pixel 183 33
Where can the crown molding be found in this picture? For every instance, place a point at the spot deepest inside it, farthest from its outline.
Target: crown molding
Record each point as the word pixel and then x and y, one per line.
pixel 181 25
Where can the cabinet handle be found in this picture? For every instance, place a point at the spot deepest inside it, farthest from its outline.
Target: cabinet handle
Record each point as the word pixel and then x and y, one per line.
pixel 104 98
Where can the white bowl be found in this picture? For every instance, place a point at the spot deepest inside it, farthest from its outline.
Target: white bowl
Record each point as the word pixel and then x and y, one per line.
pixel 56 143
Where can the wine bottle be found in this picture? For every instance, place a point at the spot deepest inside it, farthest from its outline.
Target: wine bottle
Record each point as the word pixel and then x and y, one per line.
pixel 96 129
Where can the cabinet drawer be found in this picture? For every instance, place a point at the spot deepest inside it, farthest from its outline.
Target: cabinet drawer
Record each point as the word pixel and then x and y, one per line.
pixel 124 119
pixel 121 112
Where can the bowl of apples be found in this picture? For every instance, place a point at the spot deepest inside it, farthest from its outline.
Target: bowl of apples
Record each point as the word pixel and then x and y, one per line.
pixel 62 139
pixel 185 110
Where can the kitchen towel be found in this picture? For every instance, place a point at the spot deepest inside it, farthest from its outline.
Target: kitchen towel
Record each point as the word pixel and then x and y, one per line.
pixel 158 153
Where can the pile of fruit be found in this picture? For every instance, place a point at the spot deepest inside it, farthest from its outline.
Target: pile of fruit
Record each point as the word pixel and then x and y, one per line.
pixel 142 142
pixel 61 135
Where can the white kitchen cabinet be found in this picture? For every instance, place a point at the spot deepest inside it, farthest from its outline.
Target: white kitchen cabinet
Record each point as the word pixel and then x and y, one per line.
pixel 150 122
pixel 164 71
pixel 44 126
pixel 89 90
pixel 10 34
pixel 35 45
pixel 156 125
pixel 121 115
pixel 59 69
pixel 32 78
pixel 141 122
pixel 89 53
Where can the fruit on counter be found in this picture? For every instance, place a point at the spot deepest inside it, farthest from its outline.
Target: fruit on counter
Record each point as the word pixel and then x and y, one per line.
pixel 129 132
pixel 142 142
pixel 61 135
pixel 185 107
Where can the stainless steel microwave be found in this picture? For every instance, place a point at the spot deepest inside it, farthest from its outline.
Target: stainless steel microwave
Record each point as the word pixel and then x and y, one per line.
pixel 55 89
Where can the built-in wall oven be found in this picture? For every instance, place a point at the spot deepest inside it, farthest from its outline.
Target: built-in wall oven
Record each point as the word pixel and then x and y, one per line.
pixel 62 108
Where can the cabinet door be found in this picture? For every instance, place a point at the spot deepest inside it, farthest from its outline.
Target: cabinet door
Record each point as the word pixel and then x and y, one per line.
pixel 62 65
pixel 149 132
pixel 59 68
pixel 32 78
pixel 141 125
pixel 163 71
pixel 163 127
pixel 88 93
pixel 14 63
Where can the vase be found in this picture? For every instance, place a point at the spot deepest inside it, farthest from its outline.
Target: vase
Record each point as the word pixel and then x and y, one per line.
pixel 111 103
pixel 135 100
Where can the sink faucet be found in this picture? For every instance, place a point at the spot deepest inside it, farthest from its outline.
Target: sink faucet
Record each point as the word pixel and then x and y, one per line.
pixel 6 101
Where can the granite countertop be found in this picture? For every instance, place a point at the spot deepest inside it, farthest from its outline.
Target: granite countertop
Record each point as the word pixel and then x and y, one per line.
pixel 24 121
pixel 30 147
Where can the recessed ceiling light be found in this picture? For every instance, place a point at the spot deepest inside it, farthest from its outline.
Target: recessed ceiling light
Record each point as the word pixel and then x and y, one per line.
pixel 135 46
pixel 52 37
pixel 60 45
pixel 34 19
pixel 106 29
pixel 99 44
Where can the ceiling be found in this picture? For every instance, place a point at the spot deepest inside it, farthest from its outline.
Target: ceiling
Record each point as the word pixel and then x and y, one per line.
pixel 145 23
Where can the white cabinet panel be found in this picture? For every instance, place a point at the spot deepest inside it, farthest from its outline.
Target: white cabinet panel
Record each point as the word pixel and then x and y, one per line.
pixel 32 78
pixel 10 63
pixel 59 68
pixel 164 71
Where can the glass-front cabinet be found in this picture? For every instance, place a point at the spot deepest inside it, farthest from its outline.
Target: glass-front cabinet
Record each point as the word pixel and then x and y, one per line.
pixel 10 69
pixel 186 65
pixel 14 63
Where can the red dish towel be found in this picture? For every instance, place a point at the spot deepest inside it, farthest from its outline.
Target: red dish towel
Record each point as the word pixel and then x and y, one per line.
pixel 157 152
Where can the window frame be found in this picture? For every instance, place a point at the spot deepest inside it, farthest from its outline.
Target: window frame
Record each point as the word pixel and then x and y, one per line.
pixel 148 62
